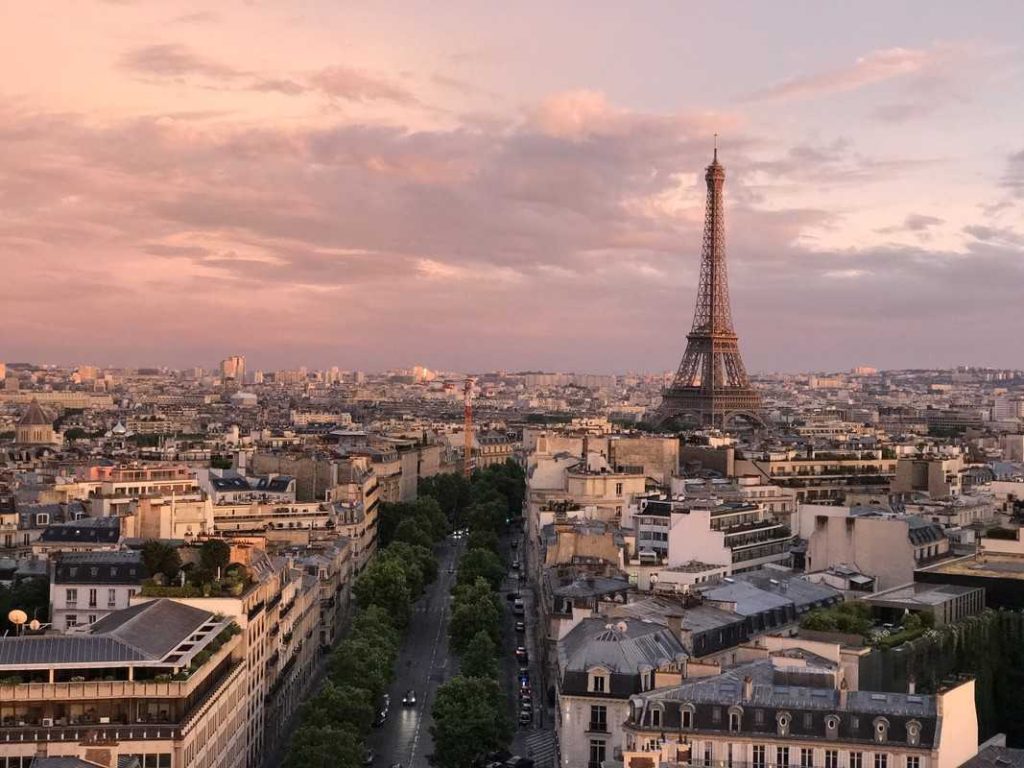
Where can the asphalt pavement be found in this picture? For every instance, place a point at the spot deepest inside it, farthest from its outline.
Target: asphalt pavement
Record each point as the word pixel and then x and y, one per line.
pixel 424 663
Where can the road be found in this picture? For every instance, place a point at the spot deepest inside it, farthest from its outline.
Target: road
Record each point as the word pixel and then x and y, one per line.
pixel 424 663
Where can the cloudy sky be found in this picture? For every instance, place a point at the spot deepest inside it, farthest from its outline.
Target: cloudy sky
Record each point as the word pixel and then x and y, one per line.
pixel 478 185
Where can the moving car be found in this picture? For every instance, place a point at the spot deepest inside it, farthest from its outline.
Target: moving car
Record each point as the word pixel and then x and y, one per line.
pixel 518 606
pixel 409 700
pixel 521 653
pixel 525 718
pixel 515 564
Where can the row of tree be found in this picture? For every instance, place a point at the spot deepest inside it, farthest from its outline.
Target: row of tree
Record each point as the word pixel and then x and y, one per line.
pixel 334 723
pixel 471 713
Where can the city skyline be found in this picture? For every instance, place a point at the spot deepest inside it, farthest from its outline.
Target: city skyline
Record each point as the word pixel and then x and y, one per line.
pixel 406 183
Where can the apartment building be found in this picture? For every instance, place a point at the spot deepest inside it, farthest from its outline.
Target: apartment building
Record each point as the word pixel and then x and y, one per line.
pixel 160 682
pixel 785 712
pixel 820 475
pixel 87 586
pixel 602 664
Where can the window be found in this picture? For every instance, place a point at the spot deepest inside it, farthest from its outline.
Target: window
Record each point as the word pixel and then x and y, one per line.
pixel 856 760
pixel 913 761
pixel 881 730
pixel 111 598
pixel 806 758
pixel 808 720
pixel 686 716
pixel 597 683
pixel 708 755
pixel 782 721
pixel 92 618
pixel 831 758
pixel 913 733
pixel 71 598
pixel 759 717
pixel 728 755
pixel 656 718
pixel 92 598
pixel 599 718
pixel 618 489
pixel 734 721
pixel 881 760
pixel 597 752
pixel 42 518
pixel 782 756
pixel 716 715
pixel 758 758
pixel 72 620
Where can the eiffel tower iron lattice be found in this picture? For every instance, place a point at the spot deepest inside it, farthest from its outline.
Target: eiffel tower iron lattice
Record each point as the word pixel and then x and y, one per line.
pixel 711 386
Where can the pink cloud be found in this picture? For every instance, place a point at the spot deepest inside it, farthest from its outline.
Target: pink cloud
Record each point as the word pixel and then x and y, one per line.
pixel 872 68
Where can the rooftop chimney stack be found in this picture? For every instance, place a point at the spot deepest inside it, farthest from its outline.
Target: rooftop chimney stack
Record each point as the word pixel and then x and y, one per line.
pixel 748 688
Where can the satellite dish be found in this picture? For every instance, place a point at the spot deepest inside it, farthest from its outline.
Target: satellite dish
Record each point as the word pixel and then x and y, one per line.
pixel 17 617
pixel 34 625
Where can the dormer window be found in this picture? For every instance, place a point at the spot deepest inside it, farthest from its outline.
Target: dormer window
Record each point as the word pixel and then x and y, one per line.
pixel 598 682
pixel 782 721
pixel 913 733
pixel 832 727
pixel 735 719
pixel 686 716
pixel 881 729
pixel 656 716
pixel 42 518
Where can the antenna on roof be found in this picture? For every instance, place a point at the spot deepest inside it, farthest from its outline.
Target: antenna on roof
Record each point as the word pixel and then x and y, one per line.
pixel 716 148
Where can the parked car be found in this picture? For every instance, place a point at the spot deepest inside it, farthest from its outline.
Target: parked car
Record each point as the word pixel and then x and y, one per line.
pixel 520 626
pixel 369 756
pixel 521 653
pixel 525 718
pixel 409 700
pixel 515 543
pixel 518 606
pixel 515 564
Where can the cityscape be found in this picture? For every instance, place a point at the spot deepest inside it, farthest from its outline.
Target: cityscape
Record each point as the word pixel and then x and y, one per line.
pixel 451 387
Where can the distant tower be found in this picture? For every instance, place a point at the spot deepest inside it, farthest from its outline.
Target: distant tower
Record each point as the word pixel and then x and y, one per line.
pixel 467 455
pixel 711 386
pixel 35 427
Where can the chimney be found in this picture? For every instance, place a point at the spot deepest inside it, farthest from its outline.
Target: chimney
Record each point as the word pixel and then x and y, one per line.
pixel 911 685
pixel 843 691
pixel 748 688
pixel 586 451
pixel 675 624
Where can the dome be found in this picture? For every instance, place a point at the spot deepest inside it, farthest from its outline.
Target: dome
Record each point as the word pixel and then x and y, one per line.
pixel 34 416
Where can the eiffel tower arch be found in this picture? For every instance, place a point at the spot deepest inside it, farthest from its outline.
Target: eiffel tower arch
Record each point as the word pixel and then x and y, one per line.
pixel 711 387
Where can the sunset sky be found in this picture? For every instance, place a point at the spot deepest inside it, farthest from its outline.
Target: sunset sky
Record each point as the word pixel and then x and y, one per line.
pixel 479 185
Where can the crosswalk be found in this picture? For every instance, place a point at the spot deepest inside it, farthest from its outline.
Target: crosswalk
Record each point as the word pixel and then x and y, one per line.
pixel 542 747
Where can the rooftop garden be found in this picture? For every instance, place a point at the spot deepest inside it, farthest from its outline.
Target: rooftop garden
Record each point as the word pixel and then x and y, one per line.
pixel 854 618
pixel 214 575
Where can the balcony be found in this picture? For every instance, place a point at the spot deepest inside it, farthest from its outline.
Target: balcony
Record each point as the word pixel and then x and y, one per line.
pixel 107 733
pixel 597 727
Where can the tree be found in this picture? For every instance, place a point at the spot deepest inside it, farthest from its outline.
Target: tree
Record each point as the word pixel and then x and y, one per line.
pixel 158 557
pixel 470 719
pixel 408 555
pixel 313 747
pixel 362 663
pixel 374 623
pixel 411 531
pixel 475 609
pixel 214 555
pixel 483 539
pixel 384 584
pixel 340 705
pixel 480 659
pixel 481 564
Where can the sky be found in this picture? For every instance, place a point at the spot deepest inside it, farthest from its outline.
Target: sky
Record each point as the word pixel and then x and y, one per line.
pixel 474 185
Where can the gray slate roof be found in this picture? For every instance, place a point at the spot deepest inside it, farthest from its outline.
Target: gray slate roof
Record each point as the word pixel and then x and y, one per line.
pixel 601 642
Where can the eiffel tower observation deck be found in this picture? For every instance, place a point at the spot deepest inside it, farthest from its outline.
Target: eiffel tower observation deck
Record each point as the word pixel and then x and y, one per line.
pixel 711 387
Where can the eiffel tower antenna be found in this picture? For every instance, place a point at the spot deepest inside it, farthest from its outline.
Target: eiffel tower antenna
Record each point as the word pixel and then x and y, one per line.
pixel 711 386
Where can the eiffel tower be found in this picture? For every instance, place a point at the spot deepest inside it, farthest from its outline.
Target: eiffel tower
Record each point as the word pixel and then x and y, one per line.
pixel 711 386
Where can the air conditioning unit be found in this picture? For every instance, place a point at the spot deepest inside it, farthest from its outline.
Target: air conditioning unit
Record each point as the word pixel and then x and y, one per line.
pixel 104 721
pixel 47 722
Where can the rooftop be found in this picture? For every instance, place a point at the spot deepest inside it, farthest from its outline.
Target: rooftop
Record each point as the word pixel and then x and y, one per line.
pixel 990 566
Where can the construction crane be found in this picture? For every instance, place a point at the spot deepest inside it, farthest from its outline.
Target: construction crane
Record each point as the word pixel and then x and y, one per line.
pixel 467 456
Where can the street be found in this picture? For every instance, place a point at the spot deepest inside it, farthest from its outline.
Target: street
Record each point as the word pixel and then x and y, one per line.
pixel 423 664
